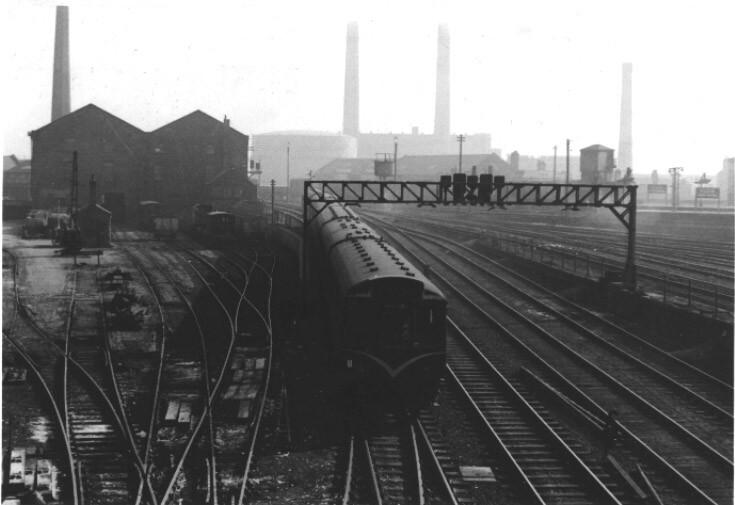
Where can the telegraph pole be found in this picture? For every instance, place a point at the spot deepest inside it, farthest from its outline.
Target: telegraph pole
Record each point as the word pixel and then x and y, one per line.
pixel 460 139
pixel 273 202
pixel 675 171
pixel 395 158
pixel 568 142
pixel 288 169
pixel 554 176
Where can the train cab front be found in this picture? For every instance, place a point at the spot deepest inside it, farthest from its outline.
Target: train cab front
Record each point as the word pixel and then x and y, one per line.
pixel 395 342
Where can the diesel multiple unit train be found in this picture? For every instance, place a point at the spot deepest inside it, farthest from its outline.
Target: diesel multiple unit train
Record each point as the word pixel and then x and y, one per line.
pixel 386 320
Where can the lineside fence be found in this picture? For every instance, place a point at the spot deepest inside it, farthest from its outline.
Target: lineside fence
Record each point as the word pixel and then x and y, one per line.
pixel 705 297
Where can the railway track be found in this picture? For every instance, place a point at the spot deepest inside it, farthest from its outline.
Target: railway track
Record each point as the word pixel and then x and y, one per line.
pixel 453 489
pixel 602 344
pixel 104 455
pixel 244 377
pixel 702 288
pixel 699 466
pixel 549 469
pixel 383 464
pixel 103 466
pixel 181 377
pixel 70 472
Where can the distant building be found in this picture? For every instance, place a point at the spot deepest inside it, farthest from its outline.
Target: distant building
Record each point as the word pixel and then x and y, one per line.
pixel 432 167
pixel 351 169
pixel 541 168
pixel 597 164
pixel 726 181
pixel 177 164
pixel 513 160
pixel 418 168
pixel 16 187
pixel 415 143
pixel 16 179
pixel 298 153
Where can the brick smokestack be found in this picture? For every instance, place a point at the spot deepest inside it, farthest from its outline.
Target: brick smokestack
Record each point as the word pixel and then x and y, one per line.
pixel 625 147
pixel 441 109
pixel 61 98
pixel 351 119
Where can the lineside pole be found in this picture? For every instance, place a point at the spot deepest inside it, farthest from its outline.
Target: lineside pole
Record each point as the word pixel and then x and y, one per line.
pixel 629 276
pixel 273 203
pixel 303 233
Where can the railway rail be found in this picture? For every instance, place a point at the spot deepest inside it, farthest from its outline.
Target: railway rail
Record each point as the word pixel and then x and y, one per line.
pixel 170 299
pixel 91 412
pixel 711 289
pixel 231 366
pixel 707 468
pixel 601 342
pixel 383 463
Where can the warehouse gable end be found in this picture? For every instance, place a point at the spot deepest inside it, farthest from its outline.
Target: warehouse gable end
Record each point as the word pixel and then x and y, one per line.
pixel 171 164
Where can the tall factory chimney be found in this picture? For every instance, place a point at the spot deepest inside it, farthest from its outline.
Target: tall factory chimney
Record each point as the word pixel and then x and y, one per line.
pixel 351 119
pixel 625 147
pixel 60 98
pixel 441 110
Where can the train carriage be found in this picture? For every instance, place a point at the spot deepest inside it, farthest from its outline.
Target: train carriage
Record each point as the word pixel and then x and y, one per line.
pixel 387 320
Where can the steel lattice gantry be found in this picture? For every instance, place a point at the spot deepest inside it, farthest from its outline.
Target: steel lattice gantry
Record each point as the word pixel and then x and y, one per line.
pixel 484 191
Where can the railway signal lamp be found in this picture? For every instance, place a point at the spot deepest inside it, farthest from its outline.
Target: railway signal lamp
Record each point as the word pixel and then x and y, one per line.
pixel 445 182
pixel 484 187
pixel 459 186
pixel 472 183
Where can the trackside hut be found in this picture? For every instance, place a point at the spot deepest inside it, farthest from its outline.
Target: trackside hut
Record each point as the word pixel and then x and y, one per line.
pixel 94 222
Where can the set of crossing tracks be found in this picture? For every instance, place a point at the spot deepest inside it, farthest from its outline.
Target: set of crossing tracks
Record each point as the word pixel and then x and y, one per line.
pixel 106 444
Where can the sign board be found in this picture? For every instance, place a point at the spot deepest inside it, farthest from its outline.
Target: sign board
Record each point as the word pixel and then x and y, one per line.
pixel 660 189
pixel 707 193
pixel 384 168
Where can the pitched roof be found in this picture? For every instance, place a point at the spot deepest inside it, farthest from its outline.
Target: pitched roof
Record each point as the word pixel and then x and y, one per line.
pixel 81 111
pixel 346 168
pixel 193 115
pixel 596 147
pixel 444 163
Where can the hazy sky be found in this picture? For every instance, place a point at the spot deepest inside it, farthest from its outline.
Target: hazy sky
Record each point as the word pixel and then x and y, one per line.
pixel 531 73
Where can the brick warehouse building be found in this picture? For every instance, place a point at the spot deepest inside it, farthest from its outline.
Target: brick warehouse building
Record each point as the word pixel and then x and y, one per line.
pixel 176 164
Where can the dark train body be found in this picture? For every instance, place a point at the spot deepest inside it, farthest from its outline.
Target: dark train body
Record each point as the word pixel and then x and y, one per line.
pixel 227 228
pixel 386 319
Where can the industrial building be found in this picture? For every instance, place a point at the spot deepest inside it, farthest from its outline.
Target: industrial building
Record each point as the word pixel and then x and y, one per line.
pixel 418 168
pixel 191 157
pixel 16 186
pixel 178 164
pixel 110 148
pixel 299 153
pixel 16 179
pixel 726 181
pixel 597 164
